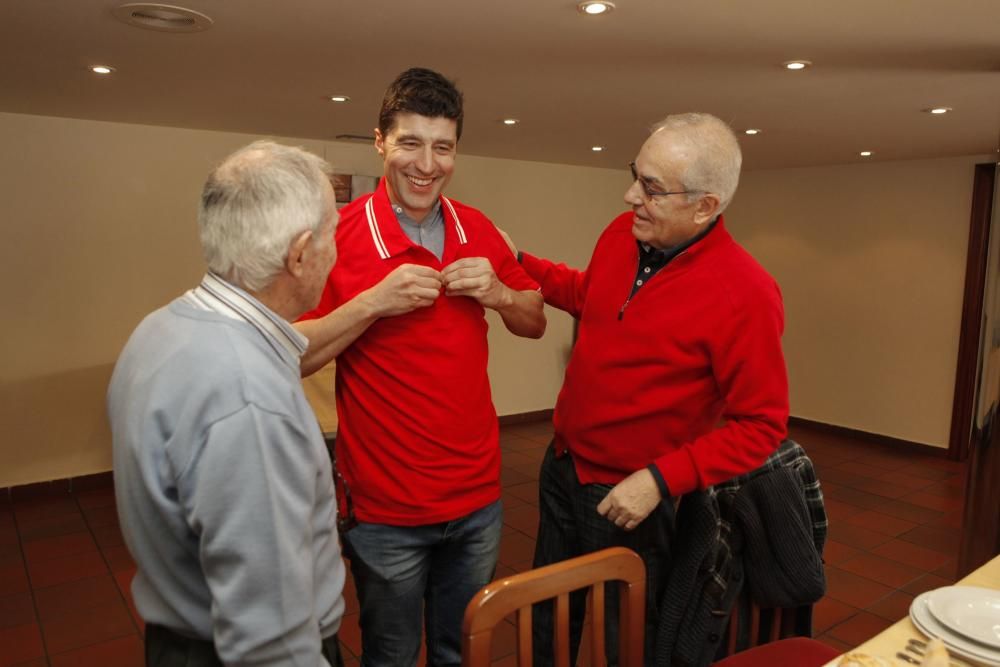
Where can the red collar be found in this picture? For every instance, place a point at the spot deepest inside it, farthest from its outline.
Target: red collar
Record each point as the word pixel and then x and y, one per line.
pixel 386 234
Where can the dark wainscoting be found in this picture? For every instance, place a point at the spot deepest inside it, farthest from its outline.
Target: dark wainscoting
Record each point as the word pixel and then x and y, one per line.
pixel 895 443
pixel 526 417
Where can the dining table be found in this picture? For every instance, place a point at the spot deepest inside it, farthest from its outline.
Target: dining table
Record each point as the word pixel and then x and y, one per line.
pixel 894 639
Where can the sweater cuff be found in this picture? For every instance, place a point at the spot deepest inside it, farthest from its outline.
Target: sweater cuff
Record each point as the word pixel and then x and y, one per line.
pixel 678 471
pixel 534 267
pixel 660 482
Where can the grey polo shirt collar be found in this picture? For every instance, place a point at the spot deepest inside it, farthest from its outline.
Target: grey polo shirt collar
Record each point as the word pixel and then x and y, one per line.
pixel 429 233
pixel 434 216
pixel 219 296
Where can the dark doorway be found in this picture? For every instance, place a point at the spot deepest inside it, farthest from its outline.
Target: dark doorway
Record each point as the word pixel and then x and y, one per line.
pixel 974 435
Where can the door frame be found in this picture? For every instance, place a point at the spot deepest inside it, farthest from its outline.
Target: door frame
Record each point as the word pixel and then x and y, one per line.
pixel 966 373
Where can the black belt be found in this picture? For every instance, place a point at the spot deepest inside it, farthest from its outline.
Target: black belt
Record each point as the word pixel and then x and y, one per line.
pixel 165 648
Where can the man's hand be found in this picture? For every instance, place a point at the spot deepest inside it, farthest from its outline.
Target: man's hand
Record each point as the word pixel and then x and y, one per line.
pixel 631 500
pixel 474 277
pixel 408 287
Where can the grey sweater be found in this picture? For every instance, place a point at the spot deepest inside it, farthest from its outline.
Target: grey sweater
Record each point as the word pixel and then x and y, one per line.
pixel 224 489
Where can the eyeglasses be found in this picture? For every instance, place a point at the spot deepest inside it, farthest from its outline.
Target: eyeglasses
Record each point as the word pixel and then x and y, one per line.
pixel 649 192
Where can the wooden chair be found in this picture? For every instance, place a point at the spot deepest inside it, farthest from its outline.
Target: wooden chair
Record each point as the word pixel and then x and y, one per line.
pixel 766 625
pixel 503 597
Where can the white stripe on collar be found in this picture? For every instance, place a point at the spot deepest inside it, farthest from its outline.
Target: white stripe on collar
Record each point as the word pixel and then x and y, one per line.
pixel 216 295
pixel 376 233
pixel 383 252
pixel 458 223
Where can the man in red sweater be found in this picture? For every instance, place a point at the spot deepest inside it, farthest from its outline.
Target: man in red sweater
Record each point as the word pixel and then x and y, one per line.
pixel 677 379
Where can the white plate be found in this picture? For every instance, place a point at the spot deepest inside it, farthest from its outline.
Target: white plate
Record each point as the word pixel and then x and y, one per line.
pixel 968 610
pixel 956 643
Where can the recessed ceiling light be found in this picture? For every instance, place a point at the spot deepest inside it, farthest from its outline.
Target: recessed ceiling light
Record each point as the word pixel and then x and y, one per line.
pixel 165 18
pixel 796 65
pixel 597 149
pixel 102 69
pixel 937 111
pixel 340 98
pixel 595 7
pixel 866 153
pixel 751 131
pixel 510 121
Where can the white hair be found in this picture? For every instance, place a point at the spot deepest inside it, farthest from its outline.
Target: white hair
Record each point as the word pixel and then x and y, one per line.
pixel 716 158
pixel 254 204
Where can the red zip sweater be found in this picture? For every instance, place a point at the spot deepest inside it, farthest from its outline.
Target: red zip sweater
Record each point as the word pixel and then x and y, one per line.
pixel 688 374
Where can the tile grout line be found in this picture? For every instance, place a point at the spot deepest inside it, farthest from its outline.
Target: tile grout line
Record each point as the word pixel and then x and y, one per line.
pixel 107 564
pixel 27 576
pixel 114 582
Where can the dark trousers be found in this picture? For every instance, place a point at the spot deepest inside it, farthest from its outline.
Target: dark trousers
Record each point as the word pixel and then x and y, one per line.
pixel 570 526
pixel 166 648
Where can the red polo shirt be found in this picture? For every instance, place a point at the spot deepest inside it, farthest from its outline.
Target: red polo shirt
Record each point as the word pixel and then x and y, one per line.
pixel 418 438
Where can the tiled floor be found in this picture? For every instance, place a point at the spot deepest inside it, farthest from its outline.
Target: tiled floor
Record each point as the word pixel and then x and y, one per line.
pixel 895 523
pixel 895 527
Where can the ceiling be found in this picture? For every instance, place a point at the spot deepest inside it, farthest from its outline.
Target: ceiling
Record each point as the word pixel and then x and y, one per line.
pixel 268 66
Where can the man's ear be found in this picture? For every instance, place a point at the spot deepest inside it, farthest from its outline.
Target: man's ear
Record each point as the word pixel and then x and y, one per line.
pixel 298 250
pixel 379 142
pixel 707 208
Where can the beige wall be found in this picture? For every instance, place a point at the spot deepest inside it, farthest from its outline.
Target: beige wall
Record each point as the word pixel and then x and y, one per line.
pixel 871 261
pixel 555 211
pixel 99 222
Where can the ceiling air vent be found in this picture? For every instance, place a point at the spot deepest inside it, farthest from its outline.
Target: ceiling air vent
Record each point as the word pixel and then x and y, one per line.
pixel 165 18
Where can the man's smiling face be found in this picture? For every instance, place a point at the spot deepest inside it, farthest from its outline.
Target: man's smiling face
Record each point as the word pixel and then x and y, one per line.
pixel 419 155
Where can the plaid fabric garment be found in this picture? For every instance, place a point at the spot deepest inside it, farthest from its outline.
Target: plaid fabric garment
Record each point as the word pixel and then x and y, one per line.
pixel 789 454
pixel 707 574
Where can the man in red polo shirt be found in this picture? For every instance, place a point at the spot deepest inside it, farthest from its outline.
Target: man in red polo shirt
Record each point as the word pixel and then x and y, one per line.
pixel 403 313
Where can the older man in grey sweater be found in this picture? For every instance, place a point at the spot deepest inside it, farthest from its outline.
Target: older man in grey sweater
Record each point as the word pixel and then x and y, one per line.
pixel 222 479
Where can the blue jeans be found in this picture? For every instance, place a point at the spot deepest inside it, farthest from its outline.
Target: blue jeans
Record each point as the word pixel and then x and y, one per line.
pixel 406 572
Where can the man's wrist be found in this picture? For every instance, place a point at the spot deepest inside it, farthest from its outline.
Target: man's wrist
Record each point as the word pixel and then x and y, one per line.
pixel 505 299
pixel 368 304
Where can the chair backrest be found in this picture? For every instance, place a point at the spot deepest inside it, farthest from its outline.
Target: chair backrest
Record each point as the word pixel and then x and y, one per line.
pixel 517 593
pixel 751 625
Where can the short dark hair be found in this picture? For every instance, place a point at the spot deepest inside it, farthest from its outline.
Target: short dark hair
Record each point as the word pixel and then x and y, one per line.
pixel 423 92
